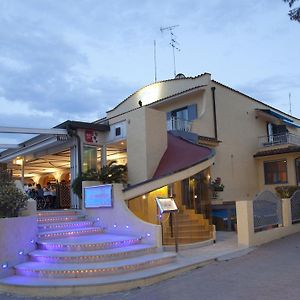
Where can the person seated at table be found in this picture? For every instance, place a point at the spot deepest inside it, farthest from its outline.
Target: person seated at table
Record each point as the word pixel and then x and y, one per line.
pixel 39 191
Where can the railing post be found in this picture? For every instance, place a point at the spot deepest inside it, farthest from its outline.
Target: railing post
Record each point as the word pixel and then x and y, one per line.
pixel 286 212
pixel 245 223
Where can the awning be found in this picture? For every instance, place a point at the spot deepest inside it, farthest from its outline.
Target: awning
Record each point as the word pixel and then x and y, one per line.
pixel 279 116
pixel 291 123
pixel 275 114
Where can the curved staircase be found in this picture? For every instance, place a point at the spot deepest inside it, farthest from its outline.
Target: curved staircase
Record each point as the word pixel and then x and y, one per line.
pixel 191 228
pixel 71 251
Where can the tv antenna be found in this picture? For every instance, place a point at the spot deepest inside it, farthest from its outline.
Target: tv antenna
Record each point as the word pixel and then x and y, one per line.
pixel 173 43
pixel 290 103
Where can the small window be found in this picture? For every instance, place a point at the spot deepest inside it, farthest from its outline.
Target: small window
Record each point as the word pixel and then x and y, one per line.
pixel 275 172
pixel 118 131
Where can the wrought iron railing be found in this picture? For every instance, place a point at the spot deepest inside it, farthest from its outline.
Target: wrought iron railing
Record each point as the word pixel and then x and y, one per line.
pixel 278 139
pixel 267 211
pixel 179 124
pixel 295 207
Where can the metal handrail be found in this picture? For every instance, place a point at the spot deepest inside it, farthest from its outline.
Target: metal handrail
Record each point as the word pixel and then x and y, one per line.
pixel 279 139
pixel 175 123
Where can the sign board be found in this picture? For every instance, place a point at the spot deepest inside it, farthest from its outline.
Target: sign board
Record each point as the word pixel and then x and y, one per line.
pixel 98 196
pixel 166 205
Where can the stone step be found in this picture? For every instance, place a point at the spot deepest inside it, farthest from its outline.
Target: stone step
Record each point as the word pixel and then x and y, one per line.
pixel 185 240
pixel 48 270
pixel 188 232
pixel 64 225
pixel 59 219
pixel 69 232
pixel 190 227
pixel 88 242
pixel 91 256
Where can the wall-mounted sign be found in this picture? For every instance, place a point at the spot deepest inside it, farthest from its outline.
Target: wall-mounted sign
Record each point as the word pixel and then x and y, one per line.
pixel 98 196
pixel 166 205
pixel 91 136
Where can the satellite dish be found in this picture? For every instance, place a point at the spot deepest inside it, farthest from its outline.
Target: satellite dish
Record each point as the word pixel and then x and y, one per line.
pixel 179 76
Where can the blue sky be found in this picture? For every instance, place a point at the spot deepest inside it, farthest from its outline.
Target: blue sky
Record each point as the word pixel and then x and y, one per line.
pixel 76 59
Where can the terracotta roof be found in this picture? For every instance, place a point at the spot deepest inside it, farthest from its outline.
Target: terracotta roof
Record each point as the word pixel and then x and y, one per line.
pixel 290 149
pixel 181 155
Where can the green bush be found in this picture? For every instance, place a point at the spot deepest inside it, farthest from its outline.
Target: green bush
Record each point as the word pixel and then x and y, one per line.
pixel 11 198
pixel 286 191
pixel 112 173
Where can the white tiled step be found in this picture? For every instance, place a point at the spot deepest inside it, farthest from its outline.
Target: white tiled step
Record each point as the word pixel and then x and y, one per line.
pixel 91 256
pixel 59 219
pixel 48 270
pixel 88 242
pixel 69 232
pixel 64 225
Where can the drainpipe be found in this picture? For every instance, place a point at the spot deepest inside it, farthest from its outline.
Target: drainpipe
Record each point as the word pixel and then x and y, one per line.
pixel 72 132
pixel 214 111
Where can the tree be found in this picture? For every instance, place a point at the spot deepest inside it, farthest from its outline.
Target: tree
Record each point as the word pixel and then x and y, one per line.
pixel 294 13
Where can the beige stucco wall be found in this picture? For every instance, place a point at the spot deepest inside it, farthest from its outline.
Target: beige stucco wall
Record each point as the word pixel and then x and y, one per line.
pixel 156 91
pixel 146 142
pixel 238 125
pixel 291 171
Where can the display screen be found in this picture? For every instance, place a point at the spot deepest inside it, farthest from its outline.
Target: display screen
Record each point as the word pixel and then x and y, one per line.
pixel 98 196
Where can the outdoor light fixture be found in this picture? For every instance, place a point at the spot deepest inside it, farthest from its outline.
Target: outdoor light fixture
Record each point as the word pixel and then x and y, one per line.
pixel 127 226
pixel 21 252
pixel 4 266
pixel 115 225
pixel 148 234
pixel 32 241
pixel 144 196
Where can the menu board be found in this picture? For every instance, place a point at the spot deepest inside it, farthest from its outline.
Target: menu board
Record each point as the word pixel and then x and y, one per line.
pixel 98 196
pixel 166 205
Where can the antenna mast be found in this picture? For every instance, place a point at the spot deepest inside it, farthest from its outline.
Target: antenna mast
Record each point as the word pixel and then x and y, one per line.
pixel 290 103
pixel 173 43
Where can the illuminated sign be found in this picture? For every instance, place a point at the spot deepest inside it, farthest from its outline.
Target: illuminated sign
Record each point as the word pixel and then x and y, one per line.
pixel 166 205
pixel 98 196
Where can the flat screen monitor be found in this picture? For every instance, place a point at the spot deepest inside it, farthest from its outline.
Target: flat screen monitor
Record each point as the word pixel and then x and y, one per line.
pixel 98 196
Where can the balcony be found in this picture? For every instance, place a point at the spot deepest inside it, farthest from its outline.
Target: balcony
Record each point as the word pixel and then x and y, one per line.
pixel 279 139
pixel 179 124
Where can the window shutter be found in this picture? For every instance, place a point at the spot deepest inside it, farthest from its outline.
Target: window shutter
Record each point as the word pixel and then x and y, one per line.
pixel 192 112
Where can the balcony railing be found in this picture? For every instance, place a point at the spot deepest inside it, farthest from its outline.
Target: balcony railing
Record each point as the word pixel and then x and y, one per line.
pixel 279 139
pixel 179 124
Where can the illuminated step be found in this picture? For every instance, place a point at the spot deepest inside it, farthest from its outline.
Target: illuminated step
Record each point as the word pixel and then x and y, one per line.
pixel 69 232
pixel 51 213
pixel 48 270
pixel 59 219
pixel 64 225
pixel 91 256
pixel 88 242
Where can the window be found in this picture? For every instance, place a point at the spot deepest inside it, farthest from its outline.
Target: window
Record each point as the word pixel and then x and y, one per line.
pixel 89 158
pixel 187 113
pixel 275 172
pixel 118 131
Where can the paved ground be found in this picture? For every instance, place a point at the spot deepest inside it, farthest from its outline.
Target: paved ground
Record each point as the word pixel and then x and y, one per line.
pixel 269 272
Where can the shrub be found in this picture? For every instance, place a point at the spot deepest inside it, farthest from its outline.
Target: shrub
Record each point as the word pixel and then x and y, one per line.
pixel 112 173
pixel 11 198
pixel 286 191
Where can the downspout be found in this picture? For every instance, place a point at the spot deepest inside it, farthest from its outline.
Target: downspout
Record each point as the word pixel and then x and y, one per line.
pixel 72 133
pixel 214 111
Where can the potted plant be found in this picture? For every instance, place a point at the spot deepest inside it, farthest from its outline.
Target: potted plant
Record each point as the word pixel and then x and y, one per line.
pixel 112 173
pixel 12 200
pixel 217 185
